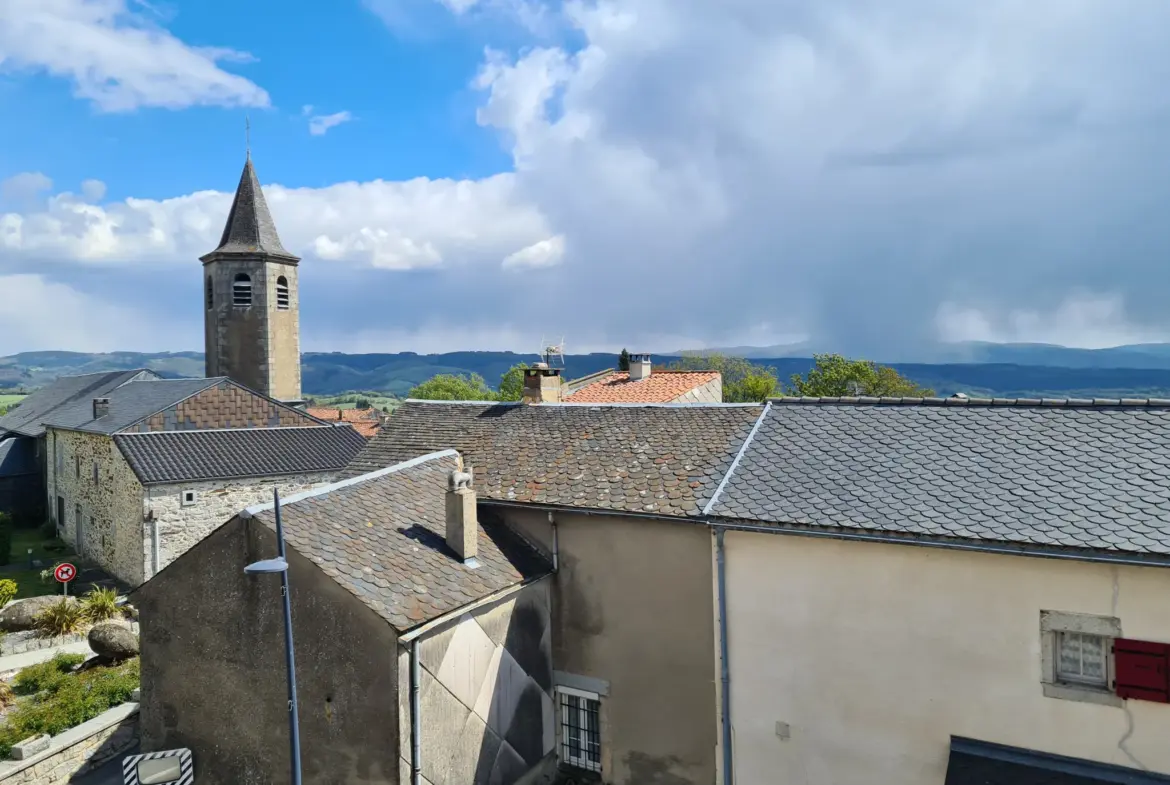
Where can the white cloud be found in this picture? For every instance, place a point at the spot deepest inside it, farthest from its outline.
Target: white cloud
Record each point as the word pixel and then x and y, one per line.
pixel 545 253
pixel 118 58
pixel 93 190
pixel 320 124
pixel 24 187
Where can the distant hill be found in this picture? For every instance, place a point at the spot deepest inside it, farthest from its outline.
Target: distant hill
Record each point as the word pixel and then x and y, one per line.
pixel 333 373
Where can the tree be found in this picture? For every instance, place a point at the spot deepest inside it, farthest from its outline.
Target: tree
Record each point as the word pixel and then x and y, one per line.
pixel 743 381
pixel 836 376
pixel 454 387
pixel 512 383
pixel 624 360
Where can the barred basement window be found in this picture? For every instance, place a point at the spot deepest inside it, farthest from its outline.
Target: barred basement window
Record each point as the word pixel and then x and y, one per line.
pixel 242 291
pixel 282 293
pixel 1081 659
pixel 188 498
pixel 580 728
pixel 210 293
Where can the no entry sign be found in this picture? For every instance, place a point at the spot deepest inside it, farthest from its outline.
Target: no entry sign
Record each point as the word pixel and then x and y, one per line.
pixel 65 572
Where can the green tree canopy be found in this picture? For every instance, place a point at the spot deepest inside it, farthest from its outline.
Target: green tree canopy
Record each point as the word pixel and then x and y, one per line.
pixel 743 381
pixel 835 376
pixel 454 387
pixel 624 360
pixel 512 383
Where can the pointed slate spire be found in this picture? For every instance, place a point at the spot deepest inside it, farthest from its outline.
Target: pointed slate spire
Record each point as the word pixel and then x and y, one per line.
pixel 250 229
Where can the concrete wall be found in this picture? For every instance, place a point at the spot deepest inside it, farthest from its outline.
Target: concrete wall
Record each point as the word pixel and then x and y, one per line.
pixel 110 529
pixel 487 713
pixel 257 346
pixel 213 671
pixel 874 655
pixel 711 392
pixel 180 526
pixel 632 607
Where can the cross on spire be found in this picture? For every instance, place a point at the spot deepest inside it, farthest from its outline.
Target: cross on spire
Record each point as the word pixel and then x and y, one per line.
pixel 247 137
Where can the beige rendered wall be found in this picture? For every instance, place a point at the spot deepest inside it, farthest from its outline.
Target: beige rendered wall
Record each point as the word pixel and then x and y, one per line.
pixel 632 607
pixel 874 655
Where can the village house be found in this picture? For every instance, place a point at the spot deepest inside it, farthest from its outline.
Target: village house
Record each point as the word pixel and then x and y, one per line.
pixel 613 495
pixel 643 384
pixel 423 639
pixel 949 590
pixel 366 422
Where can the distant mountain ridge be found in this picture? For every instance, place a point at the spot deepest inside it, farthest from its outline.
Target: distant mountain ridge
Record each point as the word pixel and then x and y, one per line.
pixel 334 372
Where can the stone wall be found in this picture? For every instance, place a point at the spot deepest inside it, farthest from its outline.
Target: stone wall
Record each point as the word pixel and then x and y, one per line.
pixel 181 525
pixel 109 530
pixel 77 750
pixel 226 405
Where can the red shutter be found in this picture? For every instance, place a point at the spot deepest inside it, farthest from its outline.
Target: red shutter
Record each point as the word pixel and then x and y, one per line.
pixel 1141 670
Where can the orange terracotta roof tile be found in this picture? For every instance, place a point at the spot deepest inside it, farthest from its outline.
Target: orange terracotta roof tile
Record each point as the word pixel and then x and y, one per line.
pixel 659 387
pixel 364 421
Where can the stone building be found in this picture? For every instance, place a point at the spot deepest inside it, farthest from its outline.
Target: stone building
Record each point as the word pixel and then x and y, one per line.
pixel 119 463
pixel 423 640
pixel 252 301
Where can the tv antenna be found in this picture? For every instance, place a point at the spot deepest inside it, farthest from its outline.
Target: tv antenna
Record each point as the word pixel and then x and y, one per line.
pixel 552 354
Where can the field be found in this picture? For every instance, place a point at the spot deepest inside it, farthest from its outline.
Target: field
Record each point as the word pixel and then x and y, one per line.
pixel 7 399
pixel 349 400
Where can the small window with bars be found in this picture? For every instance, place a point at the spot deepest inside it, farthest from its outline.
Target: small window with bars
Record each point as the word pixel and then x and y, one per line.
pixel 210 293
pixel 282 294
pixel 1082 659
pixel 97 473
pixel 580 728
pixel 242 291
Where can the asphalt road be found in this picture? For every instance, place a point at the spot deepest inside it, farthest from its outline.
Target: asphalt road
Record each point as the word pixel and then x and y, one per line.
pixel 109 773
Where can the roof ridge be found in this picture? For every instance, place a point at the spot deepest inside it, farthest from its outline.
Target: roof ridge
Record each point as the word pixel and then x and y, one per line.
pixel 1059 403
pixel 249 512
pixel 710 505
pixel 231 430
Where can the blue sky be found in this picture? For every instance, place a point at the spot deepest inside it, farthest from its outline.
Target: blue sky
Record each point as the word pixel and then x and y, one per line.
pixel 869 177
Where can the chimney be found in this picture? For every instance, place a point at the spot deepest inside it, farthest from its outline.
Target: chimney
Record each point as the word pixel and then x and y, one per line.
pixel 542 384
pixel 462 526
pixel 639 367
pixel 101 407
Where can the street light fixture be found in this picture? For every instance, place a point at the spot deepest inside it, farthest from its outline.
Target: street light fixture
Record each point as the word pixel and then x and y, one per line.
pixel 280 565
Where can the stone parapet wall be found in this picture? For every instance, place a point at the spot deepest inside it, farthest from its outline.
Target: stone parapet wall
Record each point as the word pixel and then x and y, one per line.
pixel 77 750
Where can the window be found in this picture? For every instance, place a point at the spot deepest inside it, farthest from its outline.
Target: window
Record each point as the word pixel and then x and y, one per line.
pixel 580 728
pixel 96 473
pixel 188 498
pixel 282 293
pixel 1077 656
pixel 242 291
pixel 77 466
pixel 210 293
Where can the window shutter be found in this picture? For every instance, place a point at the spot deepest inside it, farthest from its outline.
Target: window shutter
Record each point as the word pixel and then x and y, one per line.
pixel 1141 670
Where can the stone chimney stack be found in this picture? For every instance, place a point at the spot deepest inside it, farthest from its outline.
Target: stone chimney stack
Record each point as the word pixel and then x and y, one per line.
pixel 462 525
pixel 542 384
pixel 639 367
pixel 101 407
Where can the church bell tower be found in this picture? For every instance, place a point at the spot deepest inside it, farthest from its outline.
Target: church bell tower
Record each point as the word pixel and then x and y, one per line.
pixel 252 301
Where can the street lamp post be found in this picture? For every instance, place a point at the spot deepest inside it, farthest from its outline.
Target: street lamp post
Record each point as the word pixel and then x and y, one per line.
pixel 280 565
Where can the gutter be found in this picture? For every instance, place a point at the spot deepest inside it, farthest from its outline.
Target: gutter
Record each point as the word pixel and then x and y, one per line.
pixel 725 667
pixel 415 716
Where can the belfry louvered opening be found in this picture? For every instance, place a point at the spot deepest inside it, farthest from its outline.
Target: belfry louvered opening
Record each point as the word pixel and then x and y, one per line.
pixel 242 291
pixel 282 294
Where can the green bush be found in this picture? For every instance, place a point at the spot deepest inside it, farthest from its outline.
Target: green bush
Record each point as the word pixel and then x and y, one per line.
pixel 100 604
pixel 8 590
pixel 48 530
pixel 68 700
pixel 46 676
pixel 64 617
pixel 6 525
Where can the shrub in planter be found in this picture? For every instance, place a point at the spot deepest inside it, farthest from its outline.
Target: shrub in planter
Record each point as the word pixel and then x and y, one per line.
pixel 61 618
pixel 46 676
pixel 8 591
pixel 100 605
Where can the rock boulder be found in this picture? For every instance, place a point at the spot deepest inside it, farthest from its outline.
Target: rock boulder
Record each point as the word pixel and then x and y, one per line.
pixel 20 615
pixel 113 641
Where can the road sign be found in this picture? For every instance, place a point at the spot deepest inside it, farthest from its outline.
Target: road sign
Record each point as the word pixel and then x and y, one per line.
pixel 169 767
pixel 65 572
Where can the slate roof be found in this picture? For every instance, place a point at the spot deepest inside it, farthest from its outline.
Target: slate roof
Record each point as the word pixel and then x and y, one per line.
pixel 1060 474
pixel 661 460
pixel 17 456
pixel 62 400
pixel 129 403
pixel 188 456
pixel 250 228
pixel 658 387
pixel 381 536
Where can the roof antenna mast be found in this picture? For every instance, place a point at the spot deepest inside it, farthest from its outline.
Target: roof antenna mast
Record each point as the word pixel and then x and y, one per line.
pixel 552 355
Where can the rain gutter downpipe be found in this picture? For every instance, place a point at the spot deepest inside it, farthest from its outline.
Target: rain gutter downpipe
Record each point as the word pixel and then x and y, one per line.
pixel 725 667
pixel 415 716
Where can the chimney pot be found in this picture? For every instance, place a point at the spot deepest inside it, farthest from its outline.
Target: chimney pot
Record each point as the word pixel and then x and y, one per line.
pixel 462 525
pixel 639 367
pixel 101 407
pixel 542 384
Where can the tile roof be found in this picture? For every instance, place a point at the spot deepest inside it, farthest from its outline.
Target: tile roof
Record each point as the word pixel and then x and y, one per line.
pixel 364 421
pixel 187 456
pixel 381 536
pixel 661 460
pixel 658 387
pixel 250 228
pixel 1056 474
pixel 67 399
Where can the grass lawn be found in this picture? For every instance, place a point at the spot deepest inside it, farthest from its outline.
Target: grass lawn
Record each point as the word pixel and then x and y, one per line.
pixel 7 399
pixel 28 582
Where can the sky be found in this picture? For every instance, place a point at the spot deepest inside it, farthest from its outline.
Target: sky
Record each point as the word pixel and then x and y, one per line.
pixel 867 176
